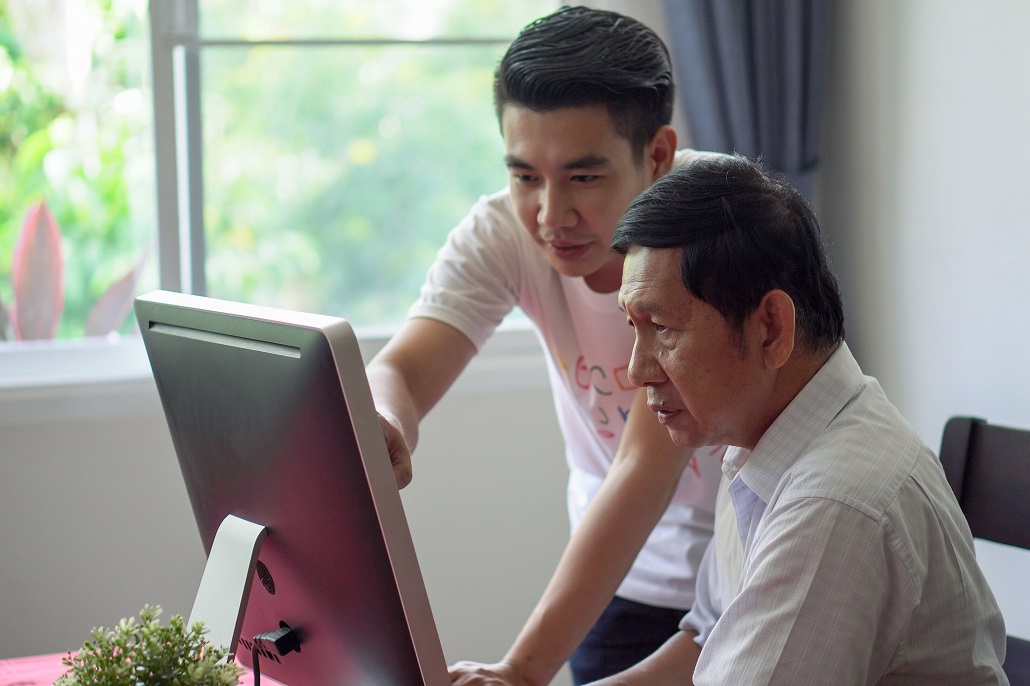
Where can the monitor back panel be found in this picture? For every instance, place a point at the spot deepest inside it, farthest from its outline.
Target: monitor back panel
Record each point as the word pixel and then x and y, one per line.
pixel 272 420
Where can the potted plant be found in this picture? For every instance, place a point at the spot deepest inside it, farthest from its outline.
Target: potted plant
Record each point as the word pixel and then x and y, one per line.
pixel 147 653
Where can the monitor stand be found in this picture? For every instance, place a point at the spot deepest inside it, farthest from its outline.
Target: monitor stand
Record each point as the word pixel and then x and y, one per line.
pixel 225 586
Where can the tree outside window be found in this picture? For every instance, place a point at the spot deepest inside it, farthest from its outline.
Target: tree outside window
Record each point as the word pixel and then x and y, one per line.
pixel 340 142
pixel 76 166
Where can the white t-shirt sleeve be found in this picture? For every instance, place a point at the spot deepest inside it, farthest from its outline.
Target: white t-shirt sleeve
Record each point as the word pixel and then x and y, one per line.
pixel 473 283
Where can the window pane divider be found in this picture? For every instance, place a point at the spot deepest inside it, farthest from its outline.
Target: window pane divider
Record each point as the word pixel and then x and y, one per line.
pixel 189 41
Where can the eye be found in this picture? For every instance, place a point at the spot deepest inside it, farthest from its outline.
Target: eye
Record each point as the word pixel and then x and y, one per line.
pixel 585 178
pixel 523 178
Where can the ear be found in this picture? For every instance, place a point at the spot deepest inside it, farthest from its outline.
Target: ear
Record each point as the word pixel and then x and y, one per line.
pixel 775 315
pixel 661 151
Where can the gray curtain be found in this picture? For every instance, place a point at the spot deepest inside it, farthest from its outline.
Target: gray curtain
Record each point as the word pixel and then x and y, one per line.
pixel 750 78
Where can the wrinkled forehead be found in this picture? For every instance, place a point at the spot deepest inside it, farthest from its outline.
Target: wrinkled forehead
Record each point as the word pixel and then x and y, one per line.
pixel 651 279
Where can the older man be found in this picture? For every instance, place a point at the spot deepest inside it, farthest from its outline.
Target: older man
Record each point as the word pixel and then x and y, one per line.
pixel 858 566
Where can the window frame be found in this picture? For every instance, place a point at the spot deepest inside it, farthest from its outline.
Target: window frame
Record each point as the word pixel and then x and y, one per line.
pixel 176 45
pixel 100 377
pixel 94 379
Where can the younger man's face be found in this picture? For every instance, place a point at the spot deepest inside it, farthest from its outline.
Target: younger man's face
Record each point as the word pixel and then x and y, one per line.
pixel 572 178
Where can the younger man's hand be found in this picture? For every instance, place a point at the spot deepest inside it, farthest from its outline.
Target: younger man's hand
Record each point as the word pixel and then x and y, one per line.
pixel 400 455
pixel 479 674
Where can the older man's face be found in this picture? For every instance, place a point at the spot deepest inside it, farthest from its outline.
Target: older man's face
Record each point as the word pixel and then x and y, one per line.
pixel 704 387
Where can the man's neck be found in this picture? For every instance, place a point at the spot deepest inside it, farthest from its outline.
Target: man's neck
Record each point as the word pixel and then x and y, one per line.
pixel 790 381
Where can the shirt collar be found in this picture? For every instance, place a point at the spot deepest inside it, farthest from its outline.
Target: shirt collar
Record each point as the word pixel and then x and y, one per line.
pixel 807 415
pixel 733 460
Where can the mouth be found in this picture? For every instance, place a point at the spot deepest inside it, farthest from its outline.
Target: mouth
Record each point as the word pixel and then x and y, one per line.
pixel 665 415
pixel 569 251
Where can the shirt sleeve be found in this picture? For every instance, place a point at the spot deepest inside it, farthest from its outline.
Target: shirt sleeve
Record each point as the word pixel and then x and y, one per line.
pixel 706 608
pixel 474 281
pixel 807 612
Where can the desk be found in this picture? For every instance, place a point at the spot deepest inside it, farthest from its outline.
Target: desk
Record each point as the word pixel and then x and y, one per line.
pixel 43 670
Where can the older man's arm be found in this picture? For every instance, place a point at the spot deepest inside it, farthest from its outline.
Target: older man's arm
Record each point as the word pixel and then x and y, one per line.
pixel 672 664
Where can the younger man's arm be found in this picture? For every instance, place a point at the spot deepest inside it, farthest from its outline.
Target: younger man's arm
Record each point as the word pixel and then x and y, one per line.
pixel 408 377
pixel 637 491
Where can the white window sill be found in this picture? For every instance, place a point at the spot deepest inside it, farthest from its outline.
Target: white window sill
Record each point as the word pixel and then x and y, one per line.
pixel 93 378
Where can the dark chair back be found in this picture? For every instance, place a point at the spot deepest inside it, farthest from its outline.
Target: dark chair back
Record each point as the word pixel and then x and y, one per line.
pixel 988 467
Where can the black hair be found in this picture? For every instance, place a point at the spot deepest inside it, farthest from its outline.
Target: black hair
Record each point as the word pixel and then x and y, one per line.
pixel 580 56
pixel 744 231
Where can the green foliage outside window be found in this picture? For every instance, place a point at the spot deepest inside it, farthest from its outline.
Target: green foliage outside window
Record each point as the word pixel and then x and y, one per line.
pixel 331 191
pixel 75 135
pixel 331 174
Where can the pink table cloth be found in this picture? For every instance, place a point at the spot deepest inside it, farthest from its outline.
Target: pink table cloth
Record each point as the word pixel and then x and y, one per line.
pixel 43 670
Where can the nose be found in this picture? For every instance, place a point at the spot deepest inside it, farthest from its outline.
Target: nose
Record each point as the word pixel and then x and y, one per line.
pixel 644 368
pixel 556 210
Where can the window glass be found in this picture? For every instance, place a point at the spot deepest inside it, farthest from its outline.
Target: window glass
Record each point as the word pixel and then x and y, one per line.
pixel 333 174
pixel 77 211
pixel 332 170
pixel 365 19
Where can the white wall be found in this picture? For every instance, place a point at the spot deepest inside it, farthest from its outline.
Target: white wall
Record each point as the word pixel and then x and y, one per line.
pixel 925 179
pixel 487 513
pixel 924 188
pixel 96 521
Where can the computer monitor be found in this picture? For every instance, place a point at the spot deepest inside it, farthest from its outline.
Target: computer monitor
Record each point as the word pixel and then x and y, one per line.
pixel 277 437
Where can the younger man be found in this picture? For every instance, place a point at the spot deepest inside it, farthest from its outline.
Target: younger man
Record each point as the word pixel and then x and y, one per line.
pixel 584 98
pixel 858 566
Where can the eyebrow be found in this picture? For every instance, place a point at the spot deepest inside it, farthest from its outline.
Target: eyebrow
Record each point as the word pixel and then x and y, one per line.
pixel 590 161
pixel 648 307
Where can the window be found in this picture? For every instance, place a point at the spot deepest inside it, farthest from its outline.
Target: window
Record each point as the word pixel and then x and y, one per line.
pixel 76 167
pixel 329 145
pixel 310 155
